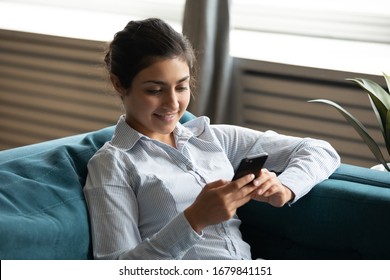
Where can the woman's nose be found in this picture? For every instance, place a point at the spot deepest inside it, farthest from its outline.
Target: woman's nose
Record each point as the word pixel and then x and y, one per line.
pixel 171 100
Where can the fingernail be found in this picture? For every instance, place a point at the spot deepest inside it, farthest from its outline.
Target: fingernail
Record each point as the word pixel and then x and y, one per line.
pixel 256 183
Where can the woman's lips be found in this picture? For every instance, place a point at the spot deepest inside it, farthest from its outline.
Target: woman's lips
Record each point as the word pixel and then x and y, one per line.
pixel 168 117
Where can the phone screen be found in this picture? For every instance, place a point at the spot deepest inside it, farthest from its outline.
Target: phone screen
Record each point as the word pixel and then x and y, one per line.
pixel 250 165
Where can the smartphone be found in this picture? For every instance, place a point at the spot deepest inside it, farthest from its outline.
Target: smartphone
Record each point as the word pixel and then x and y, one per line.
pixel 251 165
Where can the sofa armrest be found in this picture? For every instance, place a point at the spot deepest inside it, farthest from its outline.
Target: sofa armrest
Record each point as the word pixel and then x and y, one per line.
pixel 357 174
pixel 344 217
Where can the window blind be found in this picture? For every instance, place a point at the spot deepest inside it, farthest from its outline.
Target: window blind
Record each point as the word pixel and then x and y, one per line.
pixel 170 10
pixel 340 19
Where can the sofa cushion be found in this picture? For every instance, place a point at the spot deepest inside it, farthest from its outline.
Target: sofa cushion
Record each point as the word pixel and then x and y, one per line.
pixel 43 214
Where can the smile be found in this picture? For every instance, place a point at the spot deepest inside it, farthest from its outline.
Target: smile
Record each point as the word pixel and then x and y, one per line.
pixel 166 117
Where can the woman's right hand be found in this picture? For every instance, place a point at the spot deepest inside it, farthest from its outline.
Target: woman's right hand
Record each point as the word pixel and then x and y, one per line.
pixel 218 202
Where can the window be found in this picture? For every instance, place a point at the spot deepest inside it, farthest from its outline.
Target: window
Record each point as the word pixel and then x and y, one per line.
pixel 355 33
pixel 85 19
pixel 342 35
pixel 358 20
pixel 170 10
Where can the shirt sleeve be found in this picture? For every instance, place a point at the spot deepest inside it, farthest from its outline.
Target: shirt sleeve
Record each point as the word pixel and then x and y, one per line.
pixel 113 212
pixel 300 162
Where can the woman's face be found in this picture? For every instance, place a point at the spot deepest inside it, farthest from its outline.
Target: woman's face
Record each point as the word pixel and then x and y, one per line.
pixel 158 97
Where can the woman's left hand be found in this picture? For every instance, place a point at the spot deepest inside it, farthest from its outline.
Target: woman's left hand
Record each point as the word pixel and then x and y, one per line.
pixel 271 190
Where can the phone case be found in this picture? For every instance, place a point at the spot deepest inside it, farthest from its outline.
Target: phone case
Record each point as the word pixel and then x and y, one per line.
pixel 250 165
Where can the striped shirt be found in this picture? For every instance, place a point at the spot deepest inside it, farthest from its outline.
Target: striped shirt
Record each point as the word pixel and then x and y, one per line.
pixel 137 188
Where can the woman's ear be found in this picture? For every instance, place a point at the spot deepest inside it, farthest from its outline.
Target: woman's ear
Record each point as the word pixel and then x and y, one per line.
pixel 117 85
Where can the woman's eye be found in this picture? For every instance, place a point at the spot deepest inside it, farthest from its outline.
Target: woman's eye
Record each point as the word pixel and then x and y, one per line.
pixel 153 91
pixel 181 89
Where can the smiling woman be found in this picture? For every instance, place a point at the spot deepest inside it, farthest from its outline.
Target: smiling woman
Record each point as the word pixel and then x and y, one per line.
pixel 153 107
pixel 152 79
pixel 164 190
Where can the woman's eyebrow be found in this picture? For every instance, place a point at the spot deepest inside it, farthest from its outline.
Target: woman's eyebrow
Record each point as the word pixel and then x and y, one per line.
pixel 163 83
pixel 183 79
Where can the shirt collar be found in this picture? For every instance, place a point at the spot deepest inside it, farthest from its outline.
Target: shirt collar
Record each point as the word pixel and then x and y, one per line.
pixel 125 137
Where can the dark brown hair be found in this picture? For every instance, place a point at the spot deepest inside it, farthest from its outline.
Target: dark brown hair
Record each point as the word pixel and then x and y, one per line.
pixel 143 42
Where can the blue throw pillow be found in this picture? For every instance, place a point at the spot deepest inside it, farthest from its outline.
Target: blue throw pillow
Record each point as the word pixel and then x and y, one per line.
pixel 43 214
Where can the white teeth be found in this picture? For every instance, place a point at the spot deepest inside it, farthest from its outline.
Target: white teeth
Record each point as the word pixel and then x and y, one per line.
pixel 166 116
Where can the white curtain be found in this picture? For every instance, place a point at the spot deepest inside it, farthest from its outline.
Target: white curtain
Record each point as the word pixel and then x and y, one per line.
pixel 206 23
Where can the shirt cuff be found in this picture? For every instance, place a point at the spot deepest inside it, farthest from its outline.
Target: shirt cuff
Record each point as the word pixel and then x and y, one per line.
pixel 176 238
pixel 299 186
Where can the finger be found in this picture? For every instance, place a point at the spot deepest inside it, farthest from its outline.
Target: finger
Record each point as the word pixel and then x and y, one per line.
pixel 240 189
pixel 243 181
pixel 243 200
pixel 268 187
pixel 263 176
pixel 243 195
pixel 216 184
pixel 246 193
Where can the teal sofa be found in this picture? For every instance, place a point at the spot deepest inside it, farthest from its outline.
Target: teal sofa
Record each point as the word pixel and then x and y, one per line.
pixel 43 214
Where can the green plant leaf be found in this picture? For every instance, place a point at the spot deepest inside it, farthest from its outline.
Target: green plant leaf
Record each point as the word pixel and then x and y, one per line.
pixel 381 115
pixel 387 132
pixel 379 110
pixel 387 78
pixel 359 128
pixel 375 90
pixel 378 98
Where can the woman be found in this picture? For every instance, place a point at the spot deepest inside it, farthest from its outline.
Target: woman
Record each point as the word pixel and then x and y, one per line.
pixel 162 190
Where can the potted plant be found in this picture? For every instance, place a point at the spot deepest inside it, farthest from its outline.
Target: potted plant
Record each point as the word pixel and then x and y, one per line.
pixel 380 101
